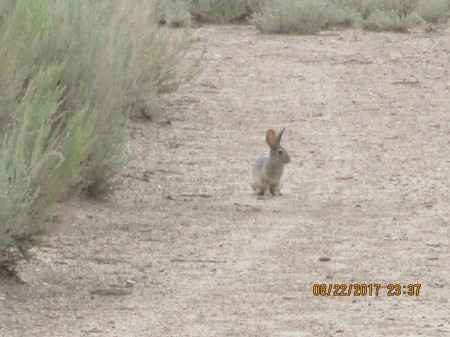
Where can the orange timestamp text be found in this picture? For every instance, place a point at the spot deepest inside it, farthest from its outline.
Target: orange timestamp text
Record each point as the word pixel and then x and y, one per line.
pixel 365 289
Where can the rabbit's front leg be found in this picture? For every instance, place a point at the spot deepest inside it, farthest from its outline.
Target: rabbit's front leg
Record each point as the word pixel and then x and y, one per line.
pixel 275 189
pixel 265 189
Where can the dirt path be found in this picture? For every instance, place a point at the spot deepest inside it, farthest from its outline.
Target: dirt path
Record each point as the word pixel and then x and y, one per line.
pixel 368 129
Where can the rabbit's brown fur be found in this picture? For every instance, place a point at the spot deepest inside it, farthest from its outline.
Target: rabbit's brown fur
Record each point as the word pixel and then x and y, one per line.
pixel 266 172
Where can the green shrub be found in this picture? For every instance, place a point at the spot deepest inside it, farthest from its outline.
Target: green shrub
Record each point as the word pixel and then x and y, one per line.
pixel 219 11
pixel 391 21
pixel 310 16
pixel 181 12
pixel 340 16
pixel 291 16
pixel 37 163
pixel 304 16
pixel 175 13
pixel 71 73
pixel 435 11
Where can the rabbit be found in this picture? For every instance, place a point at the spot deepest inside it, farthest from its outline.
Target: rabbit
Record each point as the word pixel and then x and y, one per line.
pixel 266 172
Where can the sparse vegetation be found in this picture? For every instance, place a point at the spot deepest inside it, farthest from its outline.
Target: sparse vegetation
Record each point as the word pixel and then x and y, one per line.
pixel 434 11
pixel 382 20
pixel 310 16
pixel 175 13
pixel 287 16
pixel 71 72
pixel 220 11
pixel 183 12
pixel 306 16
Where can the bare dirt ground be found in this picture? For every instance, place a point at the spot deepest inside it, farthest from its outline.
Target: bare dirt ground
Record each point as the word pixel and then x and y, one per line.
pixel 185 249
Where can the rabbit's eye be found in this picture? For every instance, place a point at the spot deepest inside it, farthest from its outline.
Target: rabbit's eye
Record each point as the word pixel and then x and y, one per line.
pixel 280 152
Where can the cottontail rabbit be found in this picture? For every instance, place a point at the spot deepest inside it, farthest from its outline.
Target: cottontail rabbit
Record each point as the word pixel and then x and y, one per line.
pixel 266 172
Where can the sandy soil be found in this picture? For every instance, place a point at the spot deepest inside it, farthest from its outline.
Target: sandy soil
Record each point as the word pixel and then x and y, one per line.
pixel 185 249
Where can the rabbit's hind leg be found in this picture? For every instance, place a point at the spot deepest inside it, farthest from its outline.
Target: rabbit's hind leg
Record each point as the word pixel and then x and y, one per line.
pixel 258 191
pixel 261 190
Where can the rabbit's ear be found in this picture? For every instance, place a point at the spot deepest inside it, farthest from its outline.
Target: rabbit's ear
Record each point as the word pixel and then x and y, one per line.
pixel 280 135
pixel 271 139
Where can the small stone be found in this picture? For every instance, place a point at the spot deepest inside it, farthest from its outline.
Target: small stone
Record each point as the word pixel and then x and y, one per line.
pixel 166 122
pixel 394 56
pixel 130 283
pixel 436 285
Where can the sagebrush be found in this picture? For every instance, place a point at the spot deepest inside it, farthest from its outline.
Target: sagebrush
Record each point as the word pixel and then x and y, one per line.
pixel 72 72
